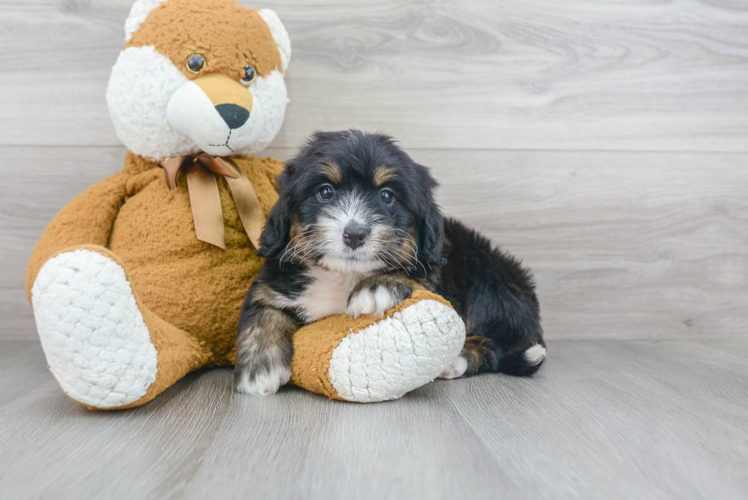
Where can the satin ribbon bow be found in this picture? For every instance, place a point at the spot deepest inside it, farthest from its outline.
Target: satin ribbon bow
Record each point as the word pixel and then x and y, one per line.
pixel 202 184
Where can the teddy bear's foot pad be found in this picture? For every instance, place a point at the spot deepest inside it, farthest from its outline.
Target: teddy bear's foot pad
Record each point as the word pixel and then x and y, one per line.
pixel 397 354
pixel 97 345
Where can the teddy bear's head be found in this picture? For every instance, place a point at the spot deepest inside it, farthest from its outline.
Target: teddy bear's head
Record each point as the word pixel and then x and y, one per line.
pixel 199 76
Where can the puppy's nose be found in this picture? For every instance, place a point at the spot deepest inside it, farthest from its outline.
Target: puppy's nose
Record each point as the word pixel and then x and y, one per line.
pixel 234 116
pixel 355 235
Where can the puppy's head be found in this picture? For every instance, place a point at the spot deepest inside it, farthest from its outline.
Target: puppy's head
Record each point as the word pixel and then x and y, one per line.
pixel 355 203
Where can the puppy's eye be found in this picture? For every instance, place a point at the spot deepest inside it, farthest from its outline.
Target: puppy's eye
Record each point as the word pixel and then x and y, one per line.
pixel 325 193
pixel 249 74
pixel 195 63
pixel 387 196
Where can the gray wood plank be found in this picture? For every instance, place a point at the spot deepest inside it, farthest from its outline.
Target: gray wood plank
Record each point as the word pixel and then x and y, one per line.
pixel 38 182
pixel 300 445
pixel 618 420
pixel 601 420
pixel 578 74
pixel 623 245
pixel 630 245
pixel 16 316
pixel 55 448
pixel 23 369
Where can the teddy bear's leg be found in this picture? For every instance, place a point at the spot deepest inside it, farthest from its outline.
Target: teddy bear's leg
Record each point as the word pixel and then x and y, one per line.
pixel 372 359
pixel 104 348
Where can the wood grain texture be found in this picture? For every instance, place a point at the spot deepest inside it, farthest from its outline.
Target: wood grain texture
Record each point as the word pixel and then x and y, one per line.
pixel 645 245
pixel 37 183
pixel 600 420
pixel 143 453
pixel 604 142
pixel 664 420
pixel 579 74
pixel 623 245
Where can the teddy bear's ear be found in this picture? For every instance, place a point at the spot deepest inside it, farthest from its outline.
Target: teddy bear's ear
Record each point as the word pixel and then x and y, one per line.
pixel 138 13
pixel 280 35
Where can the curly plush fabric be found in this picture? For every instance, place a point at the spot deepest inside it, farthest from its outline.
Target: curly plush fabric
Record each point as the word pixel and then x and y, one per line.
pixel 370 359
pixel 127 300
pixel 188 283
pixel 93 333
pixel 161 37
pixel 396 355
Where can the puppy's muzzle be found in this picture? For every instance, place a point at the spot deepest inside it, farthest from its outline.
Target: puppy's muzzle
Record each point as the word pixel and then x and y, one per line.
pixel 355 235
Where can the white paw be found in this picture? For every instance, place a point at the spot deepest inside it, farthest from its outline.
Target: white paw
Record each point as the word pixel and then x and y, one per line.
pixel 455 369
pixel 371 303
pixel 535 355
pixel 265 383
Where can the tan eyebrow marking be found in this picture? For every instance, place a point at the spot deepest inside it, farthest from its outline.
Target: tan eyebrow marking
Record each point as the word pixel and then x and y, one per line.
pixel 384 174
pixel 332 172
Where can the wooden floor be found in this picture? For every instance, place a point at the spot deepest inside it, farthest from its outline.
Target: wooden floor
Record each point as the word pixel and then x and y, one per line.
pixel 602 419
pixel 603 142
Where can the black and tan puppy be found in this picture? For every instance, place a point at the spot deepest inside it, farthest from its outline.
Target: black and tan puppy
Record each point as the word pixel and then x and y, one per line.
pixel 355 231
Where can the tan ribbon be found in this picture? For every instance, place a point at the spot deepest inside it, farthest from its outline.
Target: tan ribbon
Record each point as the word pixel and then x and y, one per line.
pixel 205 199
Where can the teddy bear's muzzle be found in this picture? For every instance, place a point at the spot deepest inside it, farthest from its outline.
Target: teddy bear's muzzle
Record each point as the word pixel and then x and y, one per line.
pixel 234 116
pixel 213 111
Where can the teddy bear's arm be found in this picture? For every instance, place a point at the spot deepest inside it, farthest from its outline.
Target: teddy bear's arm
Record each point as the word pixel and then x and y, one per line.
pixel 87 220
pixel 373 358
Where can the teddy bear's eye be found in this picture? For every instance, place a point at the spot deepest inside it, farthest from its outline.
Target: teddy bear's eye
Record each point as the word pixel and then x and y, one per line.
pixel 195 63
pixel 249 74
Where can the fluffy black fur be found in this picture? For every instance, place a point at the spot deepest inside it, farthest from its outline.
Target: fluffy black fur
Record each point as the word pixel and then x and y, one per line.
pixel 409 245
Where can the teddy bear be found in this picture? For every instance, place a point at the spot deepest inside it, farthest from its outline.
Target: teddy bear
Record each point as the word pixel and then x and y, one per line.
pixel 140 279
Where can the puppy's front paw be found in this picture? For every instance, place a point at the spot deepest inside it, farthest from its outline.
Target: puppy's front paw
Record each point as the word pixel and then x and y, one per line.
pixel 262 382
pixel 456 369
pixel 376 294
pixel 373 302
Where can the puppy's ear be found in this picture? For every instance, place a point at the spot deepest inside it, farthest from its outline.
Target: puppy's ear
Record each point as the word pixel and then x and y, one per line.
pixel 431 223
pixel 431 237
pixel 275 235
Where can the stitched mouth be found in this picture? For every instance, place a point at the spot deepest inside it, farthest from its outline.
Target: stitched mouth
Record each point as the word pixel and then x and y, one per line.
pixel 225 144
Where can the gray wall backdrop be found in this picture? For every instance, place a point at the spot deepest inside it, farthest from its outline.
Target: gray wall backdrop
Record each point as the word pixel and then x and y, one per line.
pixel 604 142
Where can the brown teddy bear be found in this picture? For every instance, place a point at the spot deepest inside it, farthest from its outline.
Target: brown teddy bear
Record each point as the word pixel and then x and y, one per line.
pixel 140 279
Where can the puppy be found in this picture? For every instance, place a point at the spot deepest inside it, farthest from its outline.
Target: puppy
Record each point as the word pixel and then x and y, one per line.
pixel 355 231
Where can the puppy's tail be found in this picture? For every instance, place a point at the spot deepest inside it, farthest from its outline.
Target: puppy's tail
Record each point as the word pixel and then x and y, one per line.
pixel 483 355
pixel 522 363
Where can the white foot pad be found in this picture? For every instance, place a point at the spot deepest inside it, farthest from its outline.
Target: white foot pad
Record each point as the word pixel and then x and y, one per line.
pixel 398 354
pixel 455 369
pixel 92 332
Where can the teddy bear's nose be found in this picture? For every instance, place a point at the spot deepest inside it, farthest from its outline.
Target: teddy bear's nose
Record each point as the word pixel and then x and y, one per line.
pixel 234 116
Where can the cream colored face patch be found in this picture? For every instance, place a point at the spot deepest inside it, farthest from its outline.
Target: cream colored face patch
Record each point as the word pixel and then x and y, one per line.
pixel 215 29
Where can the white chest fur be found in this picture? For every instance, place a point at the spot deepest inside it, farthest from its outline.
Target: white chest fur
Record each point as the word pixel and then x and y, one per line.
pixel 327 294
